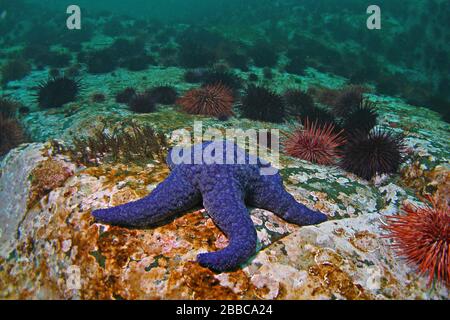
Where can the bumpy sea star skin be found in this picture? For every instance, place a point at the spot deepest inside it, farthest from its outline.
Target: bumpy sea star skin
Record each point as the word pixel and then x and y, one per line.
pixel 224 189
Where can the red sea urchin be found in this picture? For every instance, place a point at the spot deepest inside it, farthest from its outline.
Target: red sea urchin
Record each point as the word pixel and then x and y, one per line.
pixel 422 236
pixel 315 143
pixel 367 155
pixel 211 100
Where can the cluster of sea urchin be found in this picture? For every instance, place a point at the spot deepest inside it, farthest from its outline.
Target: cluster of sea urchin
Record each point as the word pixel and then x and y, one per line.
pixel 314 143
pixel 377 152
pixel 422 236
pixel 211 100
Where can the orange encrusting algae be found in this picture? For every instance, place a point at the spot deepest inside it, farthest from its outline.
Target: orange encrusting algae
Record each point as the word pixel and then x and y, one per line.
pixel 422 236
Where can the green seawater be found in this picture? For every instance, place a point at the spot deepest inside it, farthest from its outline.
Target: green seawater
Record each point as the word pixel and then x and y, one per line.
pixel 407 57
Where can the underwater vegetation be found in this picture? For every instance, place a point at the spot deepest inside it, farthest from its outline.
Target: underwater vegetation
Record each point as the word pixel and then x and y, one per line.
pixel 56 92
pixel 211 100
pixel 42 56
pixel 238 60
pixel 193 55
pixel 422 236
pixel 314 143
pixel 127 142
pixel 260 103
pixel 377 152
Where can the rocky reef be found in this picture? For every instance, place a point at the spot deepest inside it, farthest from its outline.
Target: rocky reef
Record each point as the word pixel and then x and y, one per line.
pixel 47 229
pixel 97 110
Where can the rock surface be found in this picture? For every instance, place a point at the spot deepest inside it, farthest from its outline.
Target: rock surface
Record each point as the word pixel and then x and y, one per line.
pixel 55 250
pixel 52 248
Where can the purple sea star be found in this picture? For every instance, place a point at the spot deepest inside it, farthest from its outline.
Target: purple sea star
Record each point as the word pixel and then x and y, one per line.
pixel 224 189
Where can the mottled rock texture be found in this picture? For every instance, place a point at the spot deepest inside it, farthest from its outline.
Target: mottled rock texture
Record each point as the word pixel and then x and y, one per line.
pixel 57 239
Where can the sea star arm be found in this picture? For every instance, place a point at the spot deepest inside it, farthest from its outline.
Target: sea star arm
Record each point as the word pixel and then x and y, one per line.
pixel 172 196
pixel 224 203
pixel 271 195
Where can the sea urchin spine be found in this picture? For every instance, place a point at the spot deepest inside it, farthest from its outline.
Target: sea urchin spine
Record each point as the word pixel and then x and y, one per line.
pixel 422 236
pixel 56 92
pixel 212 100
pixel 378 152
pixel 315 143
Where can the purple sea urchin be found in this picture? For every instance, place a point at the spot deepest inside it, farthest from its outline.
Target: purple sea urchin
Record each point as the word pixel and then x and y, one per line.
pixel 142 103
pixel 56 92
pixel 262 104
pixel 298 103
pixel 225 78
pixel 98 97
pixel 347 101
pixel 367 155
pixel 362 119
pixel 164 94
pixel 125 95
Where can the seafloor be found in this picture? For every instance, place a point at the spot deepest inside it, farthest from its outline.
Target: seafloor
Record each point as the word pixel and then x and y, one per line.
pixel 346 257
